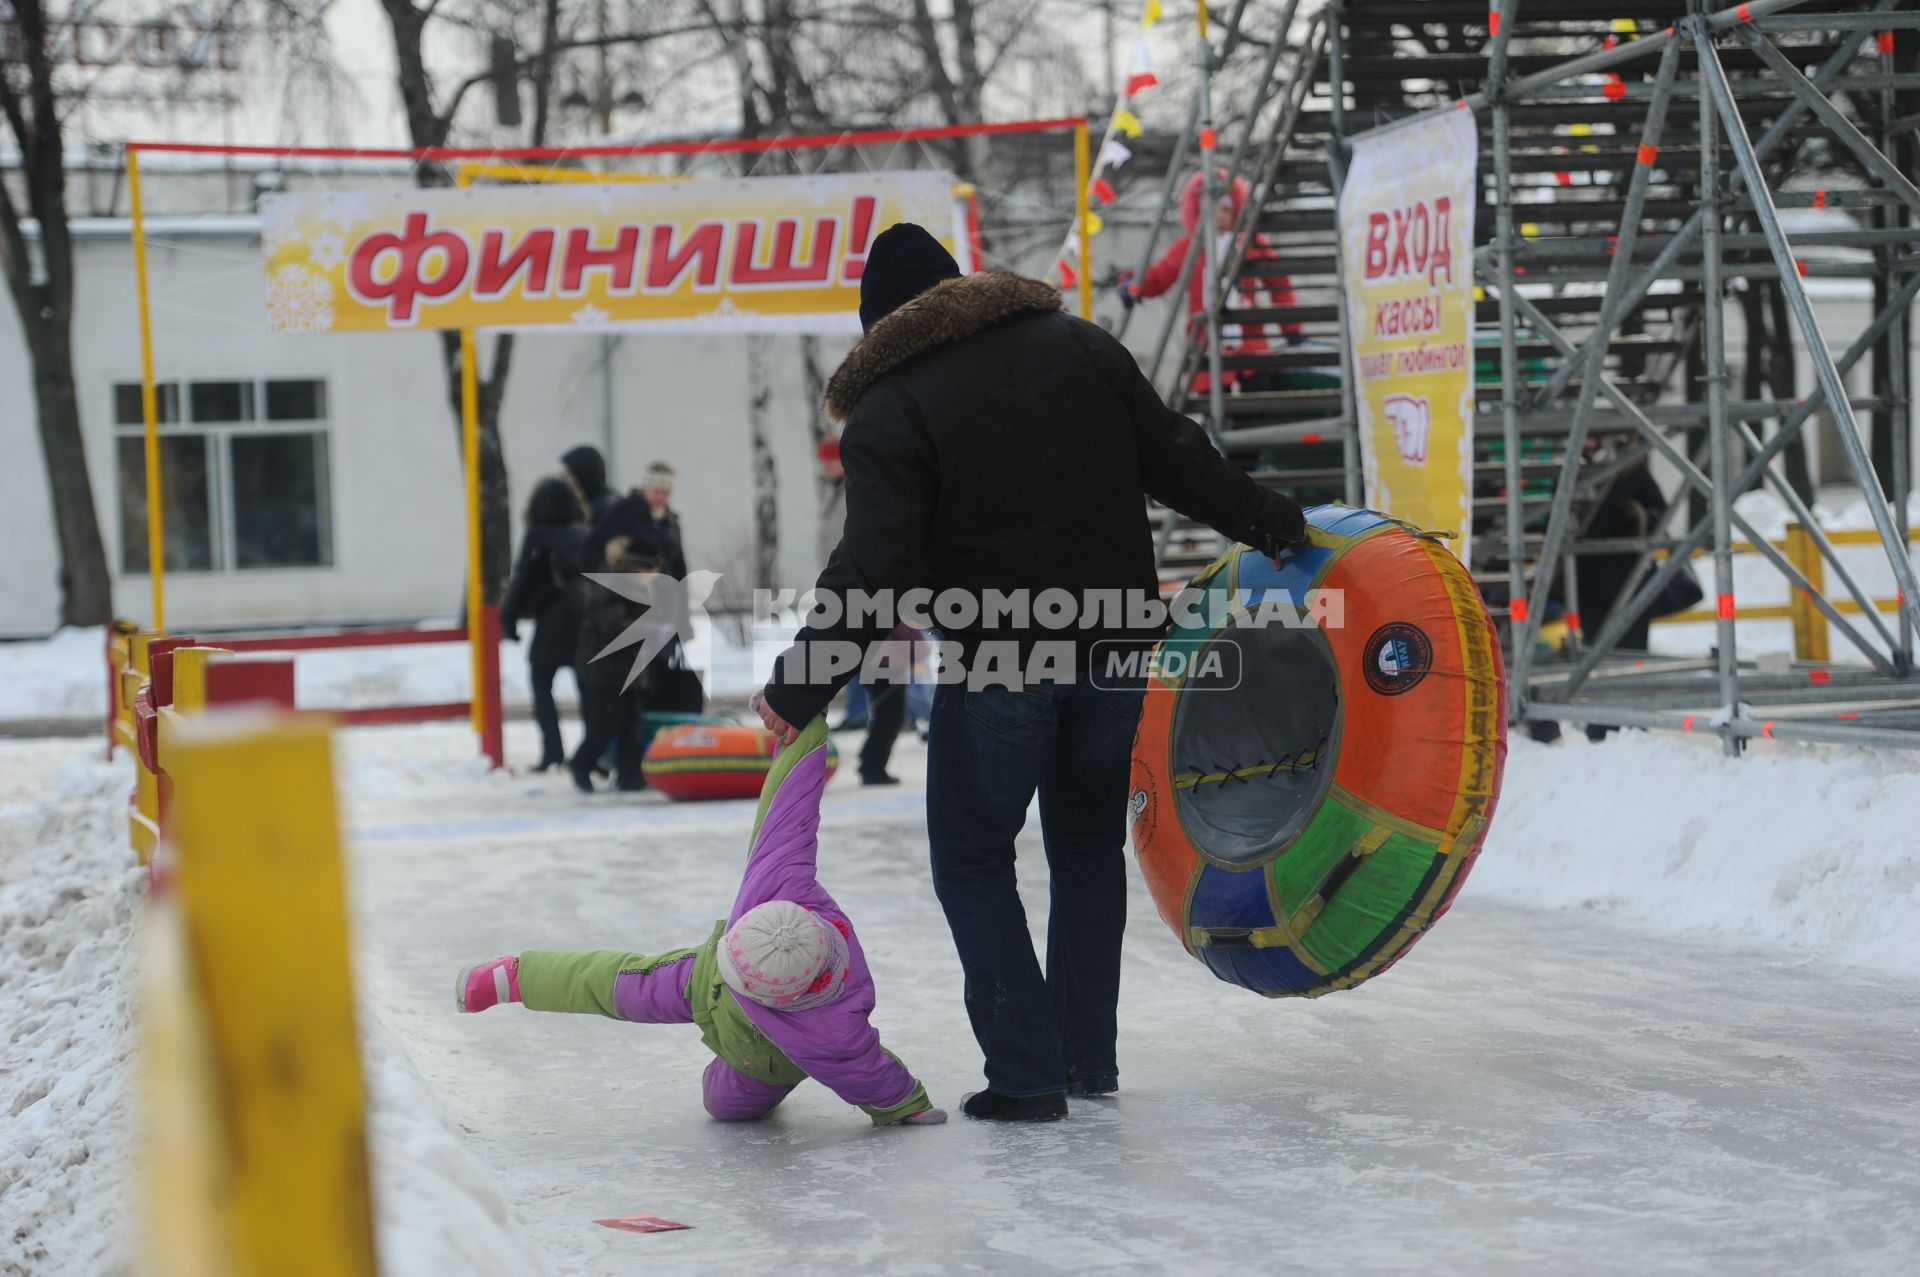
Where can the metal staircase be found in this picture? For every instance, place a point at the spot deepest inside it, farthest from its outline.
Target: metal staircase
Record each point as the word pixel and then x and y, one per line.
pixel 1594 271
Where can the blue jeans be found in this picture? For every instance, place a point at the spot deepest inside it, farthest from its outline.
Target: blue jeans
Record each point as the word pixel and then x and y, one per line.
pixel 988 752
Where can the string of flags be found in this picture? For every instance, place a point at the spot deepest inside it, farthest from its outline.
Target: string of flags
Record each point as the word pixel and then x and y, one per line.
pixel 1114 153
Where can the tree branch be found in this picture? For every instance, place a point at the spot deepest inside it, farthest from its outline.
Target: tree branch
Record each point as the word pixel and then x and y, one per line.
pixel 14 259
pixel 533 63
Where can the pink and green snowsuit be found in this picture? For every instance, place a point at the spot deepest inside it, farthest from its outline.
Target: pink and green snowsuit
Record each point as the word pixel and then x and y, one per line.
pixel 762 1053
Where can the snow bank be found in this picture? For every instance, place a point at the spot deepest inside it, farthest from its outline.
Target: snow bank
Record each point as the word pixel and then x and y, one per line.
pixel 1812 848
pixel 69 891
pixel 64 676
pixel 437 1210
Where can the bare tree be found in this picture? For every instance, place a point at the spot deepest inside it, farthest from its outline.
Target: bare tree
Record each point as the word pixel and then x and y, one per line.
pixel 42 292
pixel 429 124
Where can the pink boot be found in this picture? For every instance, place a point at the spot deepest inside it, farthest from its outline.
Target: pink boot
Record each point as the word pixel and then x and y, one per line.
pixel 488 984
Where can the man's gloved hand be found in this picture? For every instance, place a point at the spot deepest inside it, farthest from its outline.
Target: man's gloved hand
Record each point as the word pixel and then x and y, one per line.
pixel 925 1117
pixel 1280 544
pixel 510 628
pixel 1129 295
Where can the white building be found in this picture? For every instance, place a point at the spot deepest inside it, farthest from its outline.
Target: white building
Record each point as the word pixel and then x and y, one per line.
pixel 317 478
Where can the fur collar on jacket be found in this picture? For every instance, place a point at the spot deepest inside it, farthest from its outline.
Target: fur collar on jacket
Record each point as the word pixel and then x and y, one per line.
pixel 948 312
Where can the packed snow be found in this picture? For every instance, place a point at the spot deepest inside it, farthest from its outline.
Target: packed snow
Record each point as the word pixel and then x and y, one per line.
pixel 69 897
pixel 1668 1026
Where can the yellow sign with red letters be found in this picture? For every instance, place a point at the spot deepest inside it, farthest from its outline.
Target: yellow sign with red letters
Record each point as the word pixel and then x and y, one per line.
pixel 1406 239
pixel 774 254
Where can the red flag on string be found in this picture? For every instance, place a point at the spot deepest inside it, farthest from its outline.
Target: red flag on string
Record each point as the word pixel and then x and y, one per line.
pixel 1101 191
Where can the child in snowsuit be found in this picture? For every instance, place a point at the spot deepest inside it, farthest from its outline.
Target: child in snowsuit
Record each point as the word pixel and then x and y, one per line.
pixel 781 990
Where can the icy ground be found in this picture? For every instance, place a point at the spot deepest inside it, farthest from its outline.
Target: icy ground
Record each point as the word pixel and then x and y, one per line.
pixel 1670 1027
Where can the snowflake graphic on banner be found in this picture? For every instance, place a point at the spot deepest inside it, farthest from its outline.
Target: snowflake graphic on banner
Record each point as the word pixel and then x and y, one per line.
pixel 344 208
pixel 299 300
pixel 326 249
pixel 589 315
pixel 279 223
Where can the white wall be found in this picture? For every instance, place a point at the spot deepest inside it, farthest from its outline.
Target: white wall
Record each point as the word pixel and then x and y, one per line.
pixel 396 504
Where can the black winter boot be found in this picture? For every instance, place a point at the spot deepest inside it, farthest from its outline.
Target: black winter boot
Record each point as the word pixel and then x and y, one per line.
pixel 1093 1084
pixel 988 1106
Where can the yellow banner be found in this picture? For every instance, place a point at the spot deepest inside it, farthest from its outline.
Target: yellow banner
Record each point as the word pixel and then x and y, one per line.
pixel 773 254
pixel 1406 235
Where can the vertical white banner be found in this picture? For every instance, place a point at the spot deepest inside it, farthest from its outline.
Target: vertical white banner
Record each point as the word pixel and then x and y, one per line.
pixel 1406 240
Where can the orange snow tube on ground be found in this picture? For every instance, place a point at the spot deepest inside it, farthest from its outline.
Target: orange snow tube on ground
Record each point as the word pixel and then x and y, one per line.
pixel 1319 755
pixel 713 760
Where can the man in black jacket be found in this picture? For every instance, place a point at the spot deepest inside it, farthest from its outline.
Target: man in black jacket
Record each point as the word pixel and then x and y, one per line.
pixel 997 448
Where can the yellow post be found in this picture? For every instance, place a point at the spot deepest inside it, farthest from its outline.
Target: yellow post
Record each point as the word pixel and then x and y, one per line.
pixel 260 888
pixel 470 452
pixel 1082 175
pixel 149 407
pixel 470 461
pixel 1810 632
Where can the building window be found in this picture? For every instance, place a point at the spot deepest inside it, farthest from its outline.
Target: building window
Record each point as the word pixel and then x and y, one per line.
pixel 244 474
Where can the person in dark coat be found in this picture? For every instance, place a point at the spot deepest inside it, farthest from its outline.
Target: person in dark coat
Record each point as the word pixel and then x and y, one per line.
pixel 616 710
pixel 995 443
pixel 587 471
pixel 539 589
pixel 646 515
pixel 1632 506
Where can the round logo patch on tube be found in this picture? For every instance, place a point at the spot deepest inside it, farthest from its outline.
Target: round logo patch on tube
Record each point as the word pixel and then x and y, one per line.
pixel 1398 656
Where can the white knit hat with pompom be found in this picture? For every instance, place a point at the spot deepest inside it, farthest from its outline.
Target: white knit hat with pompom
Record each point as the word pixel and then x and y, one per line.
pixel 783 955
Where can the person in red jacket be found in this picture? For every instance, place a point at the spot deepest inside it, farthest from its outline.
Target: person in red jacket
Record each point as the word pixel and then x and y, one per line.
pixel 1248 292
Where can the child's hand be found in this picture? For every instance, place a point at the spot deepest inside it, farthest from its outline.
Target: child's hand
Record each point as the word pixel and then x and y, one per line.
pixel 925 1117
pixel 783 731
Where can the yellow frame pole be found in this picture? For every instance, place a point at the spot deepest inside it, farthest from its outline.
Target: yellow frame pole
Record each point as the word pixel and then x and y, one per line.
pixel 470 169
pixel 1082 175
pixel 149 404
pixel 470 463
pixel 470 453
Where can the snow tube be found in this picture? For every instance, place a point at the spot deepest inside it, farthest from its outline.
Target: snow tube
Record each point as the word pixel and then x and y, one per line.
pixel 713 760
pixel 657 721
pixel 1315 771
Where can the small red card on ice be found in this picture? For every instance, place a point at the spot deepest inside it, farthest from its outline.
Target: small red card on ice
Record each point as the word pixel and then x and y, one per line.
pixel 642 1224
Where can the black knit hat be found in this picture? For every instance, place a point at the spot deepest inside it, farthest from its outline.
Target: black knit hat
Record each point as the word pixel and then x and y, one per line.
pixel 904 262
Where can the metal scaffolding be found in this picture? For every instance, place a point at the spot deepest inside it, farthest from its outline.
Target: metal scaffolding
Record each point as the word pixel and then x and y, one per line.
pixel 1636 160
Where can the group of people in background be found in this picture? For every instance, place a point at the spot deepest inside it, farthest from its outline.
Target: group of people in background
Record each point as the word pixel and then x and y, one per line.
pixel 576 524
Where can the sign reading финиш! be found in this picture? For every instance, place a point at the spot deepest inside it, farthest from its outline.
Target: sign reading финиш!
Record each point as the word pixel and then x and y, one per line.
pixel 1406 236
pixel 775 254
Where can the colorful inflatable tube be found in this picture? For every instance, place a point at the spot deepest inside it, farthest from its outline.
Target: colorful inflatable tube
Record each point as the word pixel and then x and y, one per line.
pixel 696 761
pixel 1319 755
